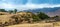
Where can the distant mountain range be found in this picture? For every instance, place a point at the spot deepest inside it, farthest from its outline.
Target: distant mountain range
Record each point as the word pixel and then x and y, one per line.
pixel 49 11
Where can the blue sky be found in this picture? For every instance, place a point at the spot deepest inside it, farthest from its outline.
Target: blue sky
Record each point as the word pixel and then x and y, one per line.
pixel 28 4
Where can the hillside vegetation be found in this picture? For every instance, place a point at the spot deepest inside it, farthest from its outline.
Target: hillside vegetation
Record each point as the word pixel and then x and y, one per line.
pixel 12 17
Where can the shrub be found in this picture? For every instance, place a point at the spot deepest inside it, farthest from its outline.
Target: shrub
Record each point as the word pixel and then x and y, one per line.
pixel 35 18
pixel 42 16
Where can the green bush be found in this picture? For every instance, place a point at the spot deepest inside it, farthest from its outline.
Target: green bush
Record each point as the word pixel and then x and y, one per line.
pixel 42 16
pixel 35 18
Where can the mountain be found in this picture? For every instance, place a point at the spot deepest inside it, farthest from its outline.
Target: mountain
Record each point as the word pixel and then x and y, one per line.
pixel 49 11
pixel 57 12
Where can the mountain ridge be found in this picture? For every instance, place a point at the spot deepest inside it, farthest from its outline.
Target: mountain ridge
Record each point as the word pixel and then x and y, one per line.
pixel 49 11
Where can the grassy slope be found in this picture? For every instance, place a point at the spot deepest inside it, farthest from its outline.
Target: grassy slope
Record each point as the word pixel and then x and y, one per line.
pixel 4 18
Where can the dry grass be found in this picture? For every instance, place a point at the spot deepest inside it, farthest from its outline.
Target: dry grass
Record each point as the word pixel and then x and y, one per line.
pixel 56 24
pixel 6 17
pixel 34 25
pixel 4 13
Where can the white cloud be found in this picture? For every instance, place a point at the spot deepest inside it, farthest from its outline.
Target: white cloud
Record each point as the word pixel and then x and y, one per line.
pixel 5 5
pixel 32 6
pixel 27 6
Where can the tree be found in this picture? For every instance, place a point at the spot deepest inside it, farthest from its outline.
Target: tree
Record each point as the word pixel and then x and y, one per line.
pixel 42 16
pixel 3 10
pixel 15 10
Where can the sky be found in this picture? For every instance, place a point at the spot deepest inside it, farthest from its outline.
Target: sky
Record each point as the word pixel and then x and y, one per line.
pixel 28 4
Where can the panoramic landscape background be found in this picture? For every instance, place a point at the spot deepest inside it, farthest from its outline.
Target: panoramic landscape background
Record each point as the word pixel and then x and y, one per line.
pixel 29 13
